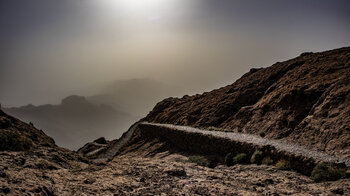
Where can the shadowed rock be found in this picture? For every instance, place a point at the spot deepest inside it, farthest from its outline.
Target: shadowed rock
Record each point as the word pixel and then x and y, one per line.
pixel 305 100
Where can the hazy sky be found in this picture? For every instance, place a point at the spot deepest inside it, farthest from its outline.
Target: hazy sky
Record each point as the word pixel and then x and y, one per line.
pixel 50 49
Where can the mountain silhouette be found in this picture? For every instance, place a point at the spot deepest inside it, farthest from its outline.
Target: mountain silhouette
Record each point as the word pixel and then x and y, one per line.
pixel 75 121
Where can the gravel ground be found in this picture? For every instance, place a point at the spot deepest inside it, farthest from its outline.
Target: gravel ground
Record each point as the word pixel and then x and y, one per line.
pixel 162 174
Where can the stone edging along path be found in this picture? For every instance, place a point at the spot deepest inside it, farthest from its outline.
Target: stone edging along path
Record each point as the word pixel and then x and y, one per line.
pixel 218 143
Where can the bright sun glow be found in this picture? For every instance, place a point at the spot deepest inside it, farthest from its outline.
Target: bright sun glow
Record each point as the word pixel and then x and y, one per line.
pixel 141 6
pixel 133 14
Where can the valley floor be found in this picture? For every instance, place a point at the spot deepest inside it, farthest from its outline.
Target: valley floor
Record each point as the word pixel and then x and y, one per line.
pixel 160 174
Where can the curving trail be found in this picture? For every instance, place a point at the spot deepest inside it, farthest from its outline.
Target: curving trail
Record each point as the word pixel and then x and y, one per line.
pixel 117 144
pixel 236 137
pixel 252 139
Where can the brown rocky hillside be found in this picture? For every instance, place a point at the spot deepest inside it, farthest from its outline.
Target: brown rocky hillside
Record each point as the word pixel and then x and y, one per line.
pixel 27 155
pixel 305 100
pixel 24 141
pixel 27 133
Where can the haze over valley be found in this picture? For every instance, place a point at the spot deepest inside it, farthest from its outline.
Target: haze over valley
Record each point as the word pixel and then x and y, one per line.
pixel 78 120
pixel 174 97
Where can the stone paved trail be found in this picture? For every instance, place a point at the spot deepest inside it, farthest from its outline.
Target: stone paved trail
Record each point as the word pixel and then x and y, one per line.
pixel 246 138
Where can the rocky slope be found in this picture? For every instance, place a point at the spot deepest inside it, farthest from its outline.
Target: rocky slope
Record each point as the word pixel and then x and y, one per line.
pixel 25 151
pixel 28 133
pixel 46 169
pixel 305 100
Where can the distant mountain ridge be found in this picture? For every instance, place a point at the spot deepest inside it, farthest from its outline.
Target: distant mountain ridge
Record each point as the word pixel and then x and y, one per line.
pixel 75 121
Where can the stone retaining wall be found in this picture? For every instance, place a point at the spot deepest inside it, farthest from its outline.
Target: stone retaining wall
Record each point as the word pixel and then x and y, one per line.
pixel 217 147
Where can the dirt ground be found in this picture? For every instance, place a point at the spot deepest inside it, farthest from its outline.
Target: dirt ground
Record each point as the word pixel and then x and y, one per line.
pixel 161 174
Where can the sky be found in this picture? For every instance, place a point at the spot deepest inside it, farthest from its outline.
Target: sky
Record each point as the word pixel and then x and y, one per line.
pixel 51 49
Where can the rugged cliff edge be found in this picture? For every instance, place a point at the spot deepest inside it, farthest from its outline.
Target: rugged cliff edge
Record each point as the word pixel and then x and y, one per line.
pixel 305 100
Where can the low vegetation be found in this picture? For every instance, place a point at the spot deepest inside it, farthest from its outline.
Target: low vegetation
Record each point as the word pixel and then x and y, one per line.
pixel 14 142
pixel 322 172
pixel 267 161
pixel 229 159
pixel 199 160
pixel 327 172
pixel 257 157
pixel 283 165
pixel 240 158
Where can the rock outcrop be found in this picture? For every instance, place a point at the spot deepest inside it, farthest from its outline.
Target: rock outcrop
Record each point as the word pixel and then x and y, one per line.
pixel 305 100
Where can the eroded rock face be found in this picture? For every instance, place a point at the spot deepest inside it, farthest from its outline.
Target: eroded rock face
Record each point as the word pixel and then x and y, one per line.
pixel 304 100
